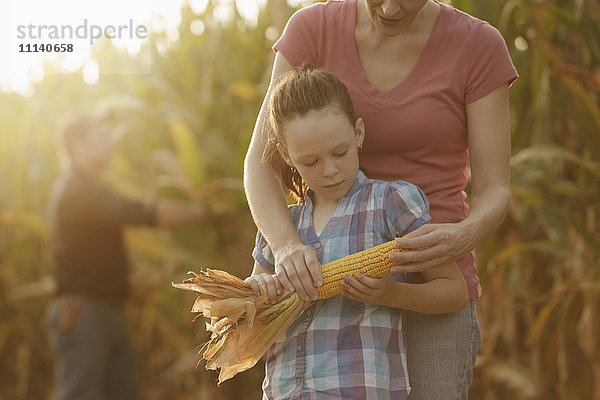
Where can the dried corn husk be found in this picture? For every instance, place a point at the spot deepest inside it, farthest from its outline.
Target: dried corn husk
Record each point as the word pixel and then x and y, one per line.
pixel 243 327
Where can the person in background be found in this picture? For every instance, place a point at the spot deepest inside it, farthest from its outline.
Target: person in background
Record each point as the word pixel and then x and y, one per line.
pixel 431 83
pixel 88 330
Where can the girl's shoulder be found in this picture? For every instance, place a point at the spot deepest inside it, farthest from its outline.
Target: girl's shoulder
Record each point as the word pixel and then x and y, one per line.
pixel 398 189
pixel 403 206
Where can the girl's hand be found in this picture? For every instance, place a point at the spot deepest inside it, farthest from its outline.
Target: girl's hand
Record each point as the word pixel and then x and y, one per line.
pixel 271 283
pixel 431 246
pixel 361 288
pixel 298 269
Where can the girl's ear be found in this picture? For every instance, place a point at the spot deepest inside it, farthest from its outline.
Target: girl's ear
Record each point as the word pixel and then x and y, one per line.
pixel 359 131
pixel 285 155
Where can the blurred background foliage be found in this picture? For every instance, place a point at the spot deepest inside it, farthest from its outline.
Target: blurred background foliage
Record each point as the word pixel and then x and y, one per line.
pixel 185 128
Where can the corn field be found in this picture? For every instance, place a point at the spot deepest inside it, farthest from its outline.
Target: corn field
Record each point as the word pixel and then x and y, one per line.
pixel 185 129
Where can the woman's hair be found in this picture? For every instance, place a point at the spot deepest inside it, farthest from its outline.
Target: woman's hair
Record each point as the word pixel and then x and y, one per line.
pixel 300 91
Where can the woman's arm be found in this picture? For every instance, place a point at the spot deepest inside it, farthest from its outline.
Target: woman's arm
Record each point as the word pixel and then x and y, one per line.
pixel 444 291
pixel 437 245
pixel 296 265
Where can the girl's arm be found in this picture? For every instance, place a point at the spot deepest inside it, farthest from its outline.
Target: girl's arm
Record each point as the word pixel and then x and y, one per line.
pixel 444 291
pixel 437 245
pixel 297 266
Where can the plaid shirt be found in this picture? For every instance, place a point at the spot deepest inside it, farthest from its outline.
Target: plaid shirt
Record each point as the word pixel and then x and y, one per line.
pixel 340 348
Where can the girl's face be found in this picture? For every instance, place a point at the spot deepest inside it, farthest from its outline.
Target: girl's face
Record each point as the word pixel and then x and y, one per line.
pixel 323 147
pixel 391 17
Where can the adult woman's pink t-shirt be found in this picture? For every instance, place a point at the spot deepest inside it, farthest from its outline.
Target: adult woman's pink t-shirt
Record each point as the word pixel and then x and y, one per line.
pixel 417 131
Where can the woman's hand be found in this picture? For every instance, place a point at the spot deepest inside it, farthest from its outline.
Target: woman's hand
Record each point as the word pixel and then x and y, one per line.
pixel 433 245
pixel 298 269
pixel 271 283
pixel 379 291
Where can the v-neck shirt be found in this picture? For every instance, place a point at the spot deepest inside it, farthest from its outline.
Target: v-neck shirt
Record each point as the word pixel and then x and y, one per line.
pixel 416 131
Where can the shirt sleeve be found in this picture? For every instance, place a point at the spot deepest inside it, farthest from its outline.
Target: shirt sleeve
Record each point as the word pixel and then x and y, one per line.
pixel 262 253
pixel 406 208
pixel 124 211
pixel 490 65
pixel 300 39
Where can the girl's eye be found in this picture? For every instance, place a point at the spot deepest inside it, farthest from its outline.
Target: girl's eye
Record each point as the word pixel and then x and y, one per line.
pixel 310 164
pixel 341 154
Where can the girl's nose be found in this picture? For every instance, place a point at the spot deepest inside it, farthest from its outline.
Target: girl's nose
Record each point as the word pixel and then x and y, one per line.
pixel 329 169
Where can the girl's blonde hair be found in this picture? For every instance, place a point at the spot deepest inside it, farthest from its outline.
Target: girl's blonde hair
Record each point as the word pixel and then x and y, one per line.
pixel 300 91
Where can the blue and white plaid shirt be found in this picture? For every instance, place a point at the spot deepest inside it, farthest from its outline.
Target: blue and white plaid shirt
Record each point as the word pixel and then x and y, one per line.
pixel 340 348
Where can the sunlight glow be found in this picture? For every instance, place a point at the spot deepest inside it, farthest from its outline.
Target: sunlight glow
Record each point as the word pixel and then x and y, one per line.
pixel 197 27
pixel 90 72
pixel 22 22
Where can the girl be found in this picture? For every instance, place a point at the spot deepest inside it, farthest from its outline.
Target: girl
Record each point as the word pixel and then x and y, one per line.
pixel 350 346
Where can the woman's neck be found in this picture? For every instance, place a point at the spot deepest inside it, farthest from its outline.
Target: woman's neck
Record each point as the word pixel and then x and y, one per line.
pixel 423 24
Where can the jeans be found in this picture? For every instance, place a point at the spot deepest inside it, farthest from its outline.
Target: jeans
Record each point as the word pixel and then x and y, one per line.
pixel 93 351
pixel 441 353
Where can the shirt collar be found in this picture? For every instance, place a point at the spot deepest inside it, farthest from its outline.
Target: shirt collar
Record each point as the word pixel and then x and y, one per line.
pixel 359 182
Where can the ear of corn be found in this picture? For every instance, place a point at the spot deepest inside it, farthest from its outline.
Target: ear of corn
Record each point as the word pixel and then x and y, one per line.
pixel 373 262
pixel 244 327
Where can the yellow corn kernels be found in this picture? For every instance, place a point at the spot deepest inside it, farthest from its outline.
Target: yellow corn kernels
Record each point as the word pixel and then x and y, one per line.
pixel 373 262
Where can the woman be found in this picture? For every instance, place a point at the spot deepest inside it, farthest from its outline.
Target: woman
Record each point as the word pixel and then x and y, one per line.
pixel 431 84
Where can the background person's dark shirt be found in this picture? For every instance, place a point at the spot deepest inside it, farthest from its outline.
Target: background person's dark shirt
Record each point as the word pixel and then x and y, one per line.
pixel 88 252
